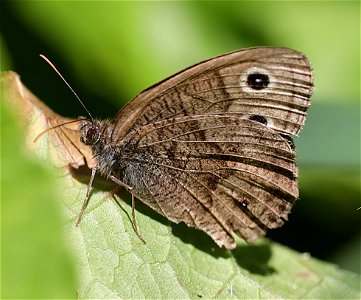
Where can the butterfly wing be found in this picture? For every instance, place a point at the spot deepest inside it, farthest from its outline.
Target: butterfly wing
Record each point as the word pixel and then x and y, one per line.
pixel 219 85
pixel 211 150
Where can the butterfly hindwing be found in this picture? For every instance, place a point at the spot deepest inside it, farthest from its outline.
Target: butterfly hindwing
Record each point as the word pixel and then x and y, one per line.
pixel 218 173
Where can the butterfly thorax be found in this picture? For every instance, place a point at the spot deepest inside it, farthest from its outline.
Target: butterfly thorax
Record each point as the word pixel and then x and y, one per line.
pixel 111 157
pixel 97 135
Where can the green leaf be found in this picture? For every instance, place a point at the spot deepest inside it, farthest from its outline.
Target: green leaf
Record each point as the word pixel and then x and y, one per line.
pixel 111 262
pixel 35 262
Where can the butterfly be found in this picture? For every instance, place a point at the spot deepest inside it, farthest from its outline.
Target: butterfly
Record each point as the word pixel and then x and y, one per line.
pixel 210 146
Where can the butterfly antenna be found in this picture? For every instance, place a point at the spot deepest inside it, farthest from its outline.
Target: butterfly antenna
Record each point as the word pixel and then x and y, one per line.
pixel 61 76
pixel 53 127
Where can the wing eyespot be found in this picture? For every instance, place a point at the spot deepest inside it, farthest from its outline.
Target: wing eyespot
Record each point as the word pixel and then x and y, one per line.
pixel 258 81
pixel 259 119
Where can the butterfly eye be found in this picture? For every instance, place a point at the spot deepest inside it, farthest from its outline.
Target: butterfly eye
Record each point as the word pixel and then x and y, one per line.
pixel 90 136
pixel 258 81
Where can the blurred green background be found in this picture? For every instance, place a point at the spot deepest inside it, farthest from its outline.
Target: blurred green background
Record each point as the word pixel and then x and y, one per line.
pixel 110 51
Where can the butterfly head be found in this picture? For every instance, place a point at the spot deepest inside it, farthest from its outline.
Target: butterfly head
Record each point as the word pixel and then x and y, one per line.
pixel 90 131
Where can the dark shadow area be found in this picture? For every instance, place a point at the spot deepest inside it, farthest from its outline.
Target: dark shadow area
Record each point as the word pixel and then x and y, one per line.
pixel 198 239
pixel 324 218
pixel 83 173
pixel 254 258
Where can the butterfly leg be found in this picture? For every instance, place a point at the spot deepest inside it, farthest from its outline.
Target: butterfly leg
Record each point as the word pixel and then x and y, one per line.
pixel 134 220
pixel 86 201
pixel 135 226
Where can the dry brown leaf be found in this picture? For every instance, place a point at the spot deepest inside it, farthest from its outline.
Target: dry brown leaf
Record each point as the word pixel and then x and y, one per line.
pixel 62 144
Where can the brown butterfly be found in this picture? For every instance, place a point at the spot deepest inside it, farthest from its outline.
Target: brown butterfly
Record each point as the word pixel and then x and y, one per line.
pixel 210 146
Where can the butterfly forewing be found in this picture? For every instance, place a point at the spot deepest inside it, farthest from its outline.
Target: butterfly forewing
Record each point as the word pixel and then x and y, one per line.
pixel 219 85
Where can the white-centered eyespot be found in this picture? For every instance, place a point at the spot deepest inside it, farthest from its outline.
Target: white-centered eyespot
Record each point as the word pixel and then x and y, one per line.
pixel 256 80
